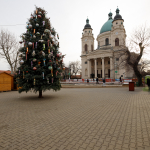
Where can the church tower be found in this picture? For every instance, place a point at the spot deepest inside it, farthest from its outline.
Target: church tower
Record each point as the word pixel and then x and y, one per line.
pixel 118 33
pixel 87 39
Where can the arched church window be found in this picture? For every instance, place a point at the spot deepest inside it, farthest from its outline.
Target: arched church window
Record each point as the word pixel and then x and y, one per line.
pixel 116 42
pixel 107 41
pixel 86 48
pixel 91 47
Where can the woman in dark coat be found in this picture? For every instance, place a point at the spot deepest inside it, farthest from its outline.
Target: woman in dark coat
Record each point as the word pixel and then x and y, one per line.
pixel 148 83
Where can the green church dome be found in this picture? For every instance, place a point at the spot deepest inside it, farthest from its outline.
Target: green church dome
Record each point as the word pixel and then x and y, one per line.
pixel 107 26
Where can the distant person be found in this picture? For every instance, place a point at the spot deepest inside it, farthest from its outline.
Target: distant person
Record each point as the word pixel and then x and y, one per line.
pixel 97 80
pixel 103 81
pixel 148 83
pixel 120 80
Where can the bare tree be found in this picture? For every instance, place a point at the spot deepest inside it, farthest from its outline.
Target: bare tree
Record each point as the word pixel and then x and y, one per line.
pixel 75 67
pixel 9 49
pixel 140 41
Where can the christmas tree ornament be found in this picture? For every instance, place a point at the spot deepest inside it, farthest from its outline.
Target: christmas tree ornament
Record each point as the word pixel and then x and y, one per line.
pixel 31 17
pixel 34 31
pixel 56 73
pixel 43 47
pixel 48 80
pixel 49 50
pixel 20 42
pixel 39 16
pixel 57 36
pixel 43 53
pixel 31 64
pixel 63 68
pixel 34 36
pixel 23 74
pixel 50 61
pixel 43 74
pixel 26 71
pixel 39 63
pixel 50 67
pixel 34 68
pixel 30 43
pixel 34 82
pixel 36 45
pixel 48 43
pixel 27 49
pixel 37 25
pixel 33 53
pixel 46 31
pixel 39 13
pixel 30 26
pixel 38 33
pixel 44 61
pixel 34 59
pixel 21 62
pixel 43 23
pixel 33 45
pixel 57 55
pixel 26 55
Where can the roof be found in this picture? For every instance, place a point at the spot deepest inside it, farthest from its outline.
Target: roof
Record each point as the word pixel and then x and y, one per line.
pixel 87 26
pixel 107 26
pixel 7 72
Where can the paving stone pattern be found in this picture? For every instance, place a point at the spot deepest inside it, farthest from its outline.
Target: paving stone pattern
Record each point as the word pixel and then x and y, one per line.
pixel 76 119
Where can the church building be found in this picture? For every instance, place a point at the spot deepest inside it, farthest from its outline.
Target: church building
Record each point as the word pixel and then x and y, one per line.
pixel 103 61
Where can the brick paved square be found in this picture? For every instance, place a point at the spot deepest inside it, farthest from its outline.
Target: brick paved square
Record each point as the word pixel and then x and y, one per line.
pixel 75 118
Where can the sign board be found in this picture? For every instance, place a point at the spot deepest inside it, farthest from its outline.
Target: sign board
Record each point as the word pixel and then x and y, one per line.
pixel 116 71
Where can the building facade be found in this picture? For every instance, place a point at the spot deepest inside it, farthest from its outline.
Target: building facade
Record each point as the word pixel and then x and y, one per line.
pixel 103 62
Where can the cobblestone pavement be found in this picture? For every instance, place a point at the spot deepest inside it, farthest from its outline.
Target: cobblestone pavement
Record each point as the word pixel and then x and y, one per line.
pixel 76 119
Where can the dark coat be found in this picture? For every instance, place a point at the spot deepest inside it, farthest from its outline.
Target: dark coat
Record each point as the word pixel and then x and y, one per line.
pixel 103 80
pixel 148 81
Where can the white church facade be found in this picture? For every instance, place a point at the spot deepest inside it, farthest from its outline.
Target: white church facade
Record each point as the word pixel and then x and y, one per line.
pixel 102 61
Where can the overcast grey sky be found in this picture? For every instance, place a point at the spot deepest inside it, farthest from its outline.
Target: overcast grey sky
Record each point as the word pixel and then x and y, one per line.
pixel 68 17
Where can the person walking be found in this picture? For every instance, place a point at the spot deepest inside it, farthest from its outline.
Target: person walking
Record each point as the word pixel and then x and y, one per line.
pixel 148 83
pixel 120 80
pixel 97 80
pixel 103 81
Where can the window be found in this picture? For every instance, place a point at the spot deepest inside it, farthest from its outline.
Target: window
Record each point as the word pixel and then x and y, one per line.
pixel 117 59
pixel 108 62
pixel 116 22
pixel 116 42
pixel 86 48
pixel 89 31
pixel 85 62
pixel 91 47
pixel 107 41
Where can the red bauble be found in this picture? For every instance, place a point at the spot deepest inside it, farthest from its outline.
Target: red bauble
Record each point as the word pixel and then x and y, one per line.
pixel 26 71
pixel 50 61
pixel 39 16
pixel 34 68
pixel 57 55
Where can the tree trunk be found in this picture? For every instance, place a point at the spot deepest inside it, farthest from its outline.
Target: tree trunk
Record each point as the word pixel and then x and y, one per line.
pixel 40 94
pixel 138 75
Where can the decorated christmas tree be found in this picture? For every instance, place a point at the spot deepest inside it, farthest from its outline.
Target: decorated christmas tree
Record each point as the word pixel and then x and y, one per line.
pixel 41 62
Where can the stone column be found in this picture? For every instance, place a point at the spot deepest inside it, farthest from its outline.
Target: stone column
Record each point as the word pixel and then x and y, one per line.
pixel 103 67
pixel 95 67
pixel 111 68
pixel 89 68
